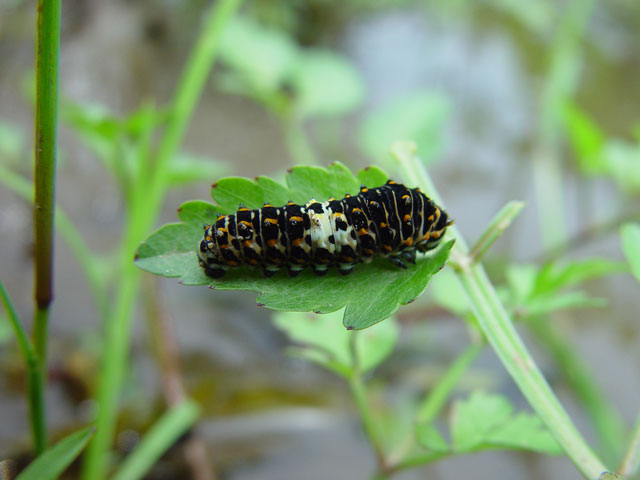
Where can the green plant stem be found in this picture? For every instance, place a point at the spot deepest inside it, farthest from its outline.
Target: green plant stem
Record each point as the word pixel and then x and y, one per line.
pixel 433 403
pixel 606 421
pixel 630 464
pixel 437 398
pixel 47 59
pixel 359 393
pixel 418 461
pixel 501 334
pixel 34 372
pixel 46 125
pixel 496 228
pixel 560 84
pixel 146 202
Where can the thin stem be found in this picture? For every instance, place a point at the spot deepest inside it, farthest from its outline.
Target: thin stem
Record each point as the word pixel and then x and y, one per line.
pixel 418 460
pixel 359 393
pixel 606 421
pixel 166 349
pixel 34 374
pixel 146 201
pixel 189 89
pixel 630 464
pixel 496 228
pixel 435 401
pixel 164 433
pixel 501 334
pixel 46 126
pixel 437 398
pixel 561 81
pixel 47 60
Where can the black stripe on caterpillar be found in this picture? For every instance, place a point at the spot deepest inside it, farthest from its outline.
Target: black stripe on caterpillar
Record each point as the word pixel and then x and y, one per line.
pixel 390 221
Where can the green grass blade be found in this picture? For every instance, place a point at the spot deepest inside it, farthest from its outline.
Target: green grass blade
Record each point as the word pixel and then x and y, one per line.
pixel 55 460
pixel 164 433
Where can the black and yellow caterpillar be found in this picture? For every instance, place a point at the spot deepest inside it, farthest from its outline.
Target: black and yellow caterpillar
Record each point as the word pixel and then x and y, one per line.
pixel 389 221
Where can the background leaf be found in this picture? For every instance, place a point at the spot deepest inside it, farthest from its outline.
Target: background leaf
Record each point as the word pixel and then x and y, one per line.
pixel 325 84
pixel 262 57
pixel 323 340
pixel 419 116
pixel 630 233
pixel 538 291
pixel 187 168
pixel 486 421
pixel 429 437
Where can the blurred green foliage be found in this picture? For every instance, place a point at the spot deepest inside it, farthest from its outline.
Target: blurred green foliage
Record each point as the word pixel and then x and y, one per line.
pixel 597 155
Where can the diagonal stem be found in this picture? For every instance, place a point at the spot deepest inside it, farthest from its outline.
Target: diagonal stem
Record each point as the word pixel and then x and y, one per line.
pixel 501 334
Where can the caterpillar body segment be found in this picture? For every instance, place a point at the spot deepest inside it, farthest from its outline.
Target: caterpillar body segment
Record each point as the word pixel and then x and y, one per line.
pixel 390 221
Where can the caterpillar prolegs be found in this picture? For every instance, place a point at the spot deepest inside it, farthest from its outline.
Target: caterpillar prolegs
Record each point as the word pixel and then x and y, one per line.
pixel 390 221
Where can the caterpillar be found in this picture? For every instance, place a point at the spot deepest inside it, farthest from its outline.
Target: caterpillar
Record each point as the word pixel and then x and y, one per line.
pixel 390 221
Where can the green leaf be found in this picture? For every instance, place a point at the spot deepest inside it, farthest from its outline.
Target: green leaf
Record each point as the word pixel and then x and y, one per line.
pixel 630 233
pixel 56 459
pixel 262 58
pixel 5 329
pixel 187 168
pixel 550 303
pixel 163 434
pixel 275 193
pixel 587 140
pixel 370 294
pixel 325 341
pixel 419 116
pixel 372 176
pixel 230 192
pixel 320 183
pixel 486 421
pixel 554 276
pixel 325 84
pixel 623 165
pixel 449 294
pixel 429 437
pixel 521 280
pixel 538 291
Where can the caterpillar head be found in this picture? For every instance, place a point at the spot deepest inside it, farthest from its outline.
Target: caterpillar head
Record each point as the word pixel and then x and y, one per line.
pixel 208 247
